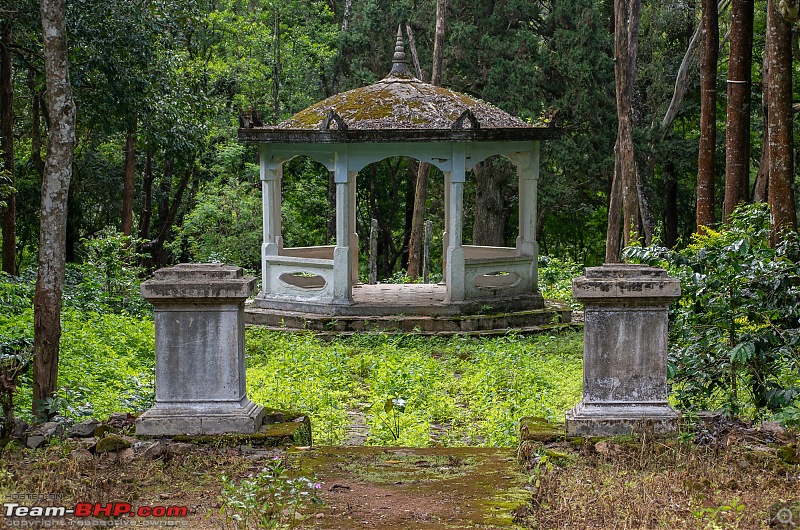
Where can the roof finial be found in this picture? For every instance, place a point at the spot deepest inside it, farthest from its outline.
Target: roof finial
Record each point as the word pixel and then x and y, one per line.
pixel 399 63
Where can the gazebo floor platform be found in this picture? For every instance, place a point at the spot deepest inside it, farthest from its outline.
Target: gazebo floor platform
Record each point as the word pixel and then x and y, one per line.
pixel 416 308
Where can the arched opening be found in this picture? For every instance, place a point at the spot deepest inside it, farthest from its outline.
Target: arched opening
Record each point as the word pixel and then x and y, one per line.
pixel 385 193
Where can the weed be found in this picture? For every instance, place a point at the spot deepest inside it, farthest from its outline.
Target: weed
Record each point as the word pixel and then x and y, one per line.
pixel 270 499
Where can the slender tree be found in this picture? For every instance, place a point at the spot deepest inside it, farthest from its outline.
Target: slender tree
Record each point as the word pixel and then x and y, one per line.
pixel 423 173
pixel 53 212
pixel 624 194
pixel 779 122
pixel 760 188
pixel 706 158
pixel 7 146
pixel 128 181
pixel 737 136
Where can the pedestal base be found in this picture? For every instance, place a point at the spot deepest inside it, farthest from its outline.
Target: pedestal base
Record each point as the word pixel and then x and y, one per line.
pixel 621 419
pixel 172 419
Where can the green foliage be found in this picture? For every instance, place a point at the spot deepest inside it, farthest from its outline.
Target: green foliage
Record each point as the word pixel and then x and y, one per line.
pixel 555 279
pixel 106 364
pixel 108 277
pixel 474 390
pixel 225 226
pixel 737 323
pixel 270 499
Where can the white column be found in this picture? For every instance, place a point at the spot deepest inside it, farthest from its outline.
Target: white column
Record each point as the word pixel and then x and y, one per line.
pixel 528 173
pixel 270 210
pixel 342 270
pixel 454 267
pixel 446 234
pixel 277 200
pixel 351 181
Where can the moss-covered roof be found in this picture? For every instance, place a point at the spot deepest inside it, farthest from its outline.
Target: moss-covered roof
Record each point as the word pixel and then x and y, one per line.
pixel 400 102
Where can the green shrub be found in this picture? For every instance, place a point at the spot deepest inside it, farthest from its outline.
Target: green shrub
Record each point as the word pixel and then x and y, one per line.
pixel 735 338
pixel 108 277
pixel 225 225
pixel 106 364
pixel 555 279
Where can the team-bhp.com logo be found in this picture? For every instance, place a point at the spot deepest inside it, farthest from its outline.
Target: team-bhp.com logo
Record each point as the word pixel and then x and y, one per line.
pixel 88 509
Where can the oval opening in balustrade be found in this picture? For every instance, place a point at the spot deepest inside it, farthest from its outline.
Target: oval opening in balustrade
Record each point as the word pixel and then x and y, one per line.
pixel 303 280
pixel 497 280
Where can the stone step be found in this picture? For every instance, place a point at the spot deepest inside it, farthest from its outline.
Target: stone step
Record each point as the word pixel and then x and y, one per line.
pixel 554 314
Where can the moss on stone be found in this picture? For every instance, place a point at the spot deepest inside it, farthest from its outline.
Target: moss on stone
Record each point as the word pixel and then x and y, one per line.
pixel 111 444
pixel 789 455
pixel 536 429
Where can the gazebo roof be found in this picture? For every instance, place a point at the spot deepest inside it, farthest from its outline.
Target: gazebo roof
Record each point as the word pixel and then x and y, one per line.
pixel 398 108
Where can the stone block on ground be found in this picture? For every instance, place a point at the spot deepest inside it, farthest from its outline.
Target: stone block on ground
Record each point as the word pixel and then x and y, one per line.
pixel 20 428
pixel 39 435
pixel 625 351
pixel 200 362
pixel 536 429
pixel 296 432
pixel 111 444
pixel 84 429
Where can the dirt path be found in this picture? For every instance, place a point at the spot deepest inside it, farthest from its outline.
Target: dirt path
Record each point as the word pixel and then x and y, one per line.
pixel 426 488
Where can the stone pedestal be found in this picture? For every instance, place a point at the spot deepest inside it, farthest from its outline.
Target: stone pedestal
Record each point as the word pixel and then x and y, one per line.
pixel 625 351
pixel 200 367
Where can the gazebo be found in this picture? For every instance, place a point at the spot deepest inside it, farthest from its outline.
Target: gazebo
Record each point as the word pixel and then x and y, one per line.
pixel 398 116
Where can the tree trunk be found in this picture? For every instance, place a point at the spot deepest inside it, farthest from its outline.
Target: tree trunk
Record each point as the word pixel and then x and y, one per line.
pixel 627 14
pixel 706 158
pixel 670 205
pixel 7 145
pixel 167 214
pixel 36 123
pixel 614 211
pixel 421 190
pixel 414 56
pixel 491 207
pixel 337 63
pixel 781 156
pixel 147 197
pixel 737 139
pixel 760 188
pixel 128 182
pixel 276 67
pixel 53 217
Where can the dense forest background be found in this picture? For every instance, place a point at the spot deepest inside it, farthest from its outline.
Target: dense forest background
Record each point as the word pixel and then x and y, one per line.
pixel 118 132
pixel 158 87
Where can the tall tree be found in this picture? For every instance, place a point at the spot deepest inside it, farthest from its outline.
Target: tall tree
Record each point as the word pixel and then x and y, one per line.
pixel 129 175
pixel 737 136
pixel 423 173
pixel 53 212
pixel 706 158
pixel 7 146
pixel 627 14
pixel 779 122
pixel 760 187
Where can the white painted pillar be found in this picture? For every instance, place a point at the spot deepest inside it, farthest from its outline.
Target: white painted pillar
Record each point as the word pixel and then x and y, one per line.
pixel 528 172
pixel 446 234
pixel 270 179
pixel 342 269
pixel 277 201
pixel 351 181
pixel 454 267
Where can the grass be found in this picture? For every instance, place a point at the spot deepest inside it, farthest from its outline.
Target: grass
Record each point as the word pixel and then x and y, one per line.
pixel 458 391
pixel 472 391
pixel 664 484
